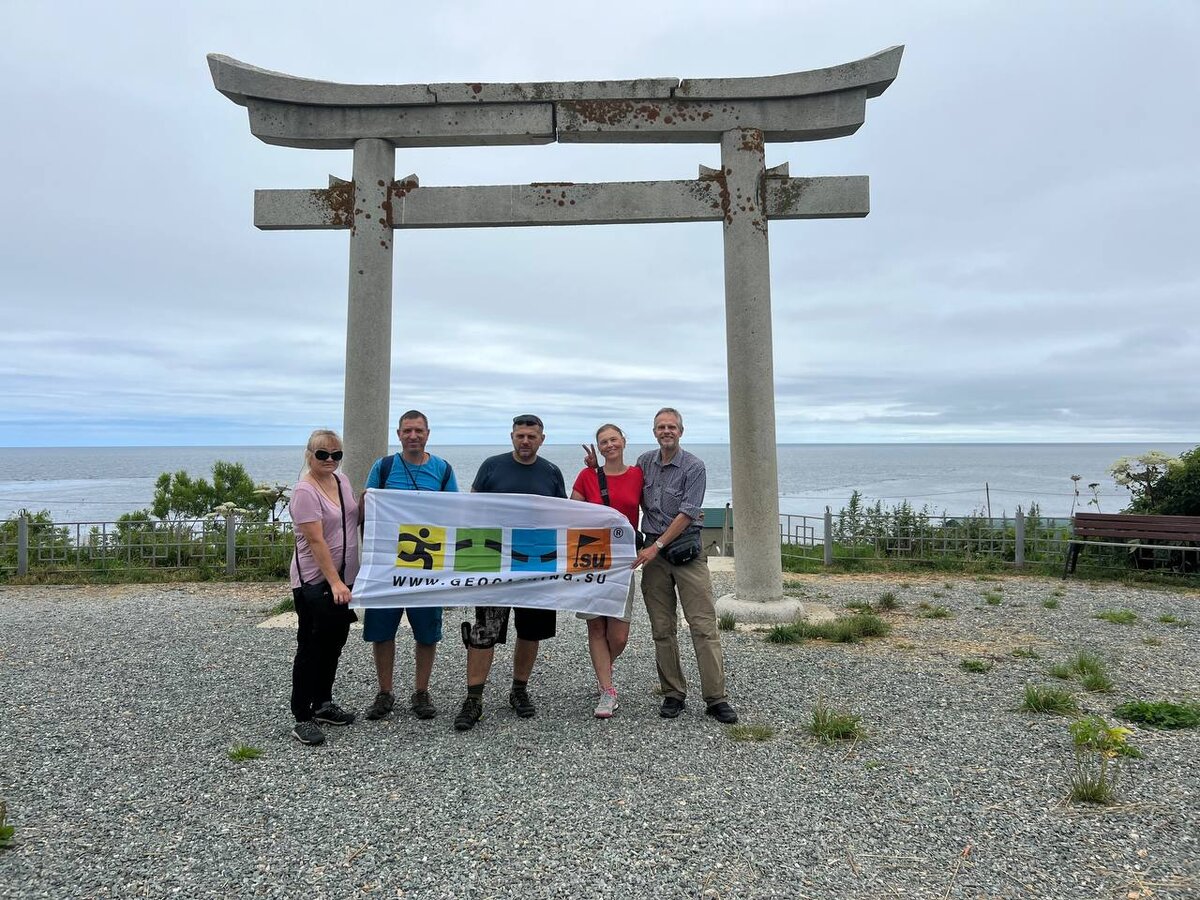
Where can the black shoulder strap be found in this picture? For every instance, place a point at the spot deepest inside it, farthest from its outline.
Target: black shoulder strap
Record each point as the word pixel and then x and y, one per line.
pixel 603 479
pixel 446 476
pixel 385 468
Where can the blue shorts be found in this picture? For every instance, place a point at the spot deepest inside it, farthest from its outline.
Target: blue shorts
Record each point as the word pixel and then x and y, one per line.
pixel 380 625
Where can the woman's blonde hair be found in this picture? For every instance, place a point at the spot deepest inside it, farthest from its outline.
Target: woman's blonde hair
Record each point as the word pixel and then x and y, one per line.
pixel 609 426
pixel 317 437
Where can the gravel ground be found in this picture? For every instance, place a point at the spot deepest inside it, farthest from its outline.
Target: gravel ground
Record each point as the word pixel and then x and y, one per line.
pixel 120 704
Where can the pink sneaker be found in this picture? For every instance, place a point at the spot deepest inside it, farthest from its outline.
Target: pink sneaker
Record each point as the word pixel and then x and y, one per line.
pixel 607 705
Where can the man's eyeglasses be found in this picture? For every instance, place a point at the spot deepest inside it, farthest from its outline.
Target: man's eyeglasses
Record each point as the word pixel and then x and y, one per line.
pixel 323 455
pixel 528 421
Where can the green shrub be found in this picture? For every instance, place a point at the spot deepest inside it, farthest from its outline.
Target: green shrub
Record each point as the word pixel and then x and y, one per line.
pixel 1160 713
pixel 726 622
pixel 830 725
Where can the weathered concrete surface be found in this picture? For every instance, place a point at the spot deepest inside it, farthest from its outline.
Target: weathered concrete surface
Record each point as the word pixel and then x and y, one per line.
pixel 638 202
pixel 814 118
pixel 369 317
pixel 750 361
pixel 872 73
pixel 799 106
pixel 337 128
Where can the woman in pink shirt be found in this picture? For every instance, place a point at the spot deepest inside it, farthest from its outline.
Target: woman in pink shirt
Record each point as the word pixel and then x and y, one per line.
pixel 607 635
pixel 325 514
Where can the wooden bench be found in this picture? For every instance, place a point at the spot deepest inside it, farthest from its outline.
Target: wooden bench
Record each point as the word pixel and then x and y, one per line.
pixel 1120 530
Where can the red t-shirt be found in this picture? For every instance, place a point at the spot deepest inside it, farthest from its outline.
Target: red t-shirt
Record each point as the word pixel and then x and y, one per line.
pixel 624 491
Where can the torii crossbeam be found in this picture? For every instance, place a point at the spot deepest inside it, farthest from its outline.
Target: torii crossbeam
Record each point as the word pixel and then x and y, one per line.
pixel 742 114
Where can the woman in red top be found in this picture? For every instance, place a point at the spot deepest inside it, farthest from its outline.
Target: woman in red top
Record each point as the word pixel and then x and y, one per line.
pixel 607 635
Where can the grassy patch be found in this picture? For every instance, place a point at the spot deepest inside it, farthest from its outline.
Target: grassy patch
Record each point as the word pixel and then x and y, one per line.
pixel 848 630
pixel 1050 603
pixel 1160 713
pixel 1061 670
pixel 1152 641
pixel 726 622
pixel 1025 653
pixel 283 606
pixel 859 606
pixel 830 725
pixel 1118 616
pixel 926 611
pixel 978 666
pixel 1058 592
pixel 887 601
pixel 1051 700
pixel 242 752
pixel 750 732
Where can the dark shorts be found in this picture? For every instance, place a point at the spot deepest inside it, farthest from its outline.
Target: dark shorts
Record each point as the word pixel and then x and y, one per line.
pixel 380 625
pixel 491 626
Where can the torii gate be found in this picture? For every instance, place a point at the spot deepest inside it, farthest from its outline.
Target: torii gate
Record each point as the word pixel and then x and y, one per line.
pixel 740 113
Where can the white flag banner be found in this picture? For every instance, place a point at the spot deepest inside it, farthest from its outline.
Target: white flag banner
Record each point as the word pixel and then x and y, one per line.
pixel 428 548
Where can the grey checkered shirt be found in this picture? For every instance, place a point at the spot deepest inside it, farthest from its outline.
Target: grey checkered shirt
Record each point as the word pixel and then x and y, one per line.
pixel 667 490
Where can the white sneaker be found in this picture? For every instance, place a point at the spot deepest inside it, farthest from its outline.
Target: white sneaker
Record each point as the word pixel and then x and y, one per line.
pixel 607 705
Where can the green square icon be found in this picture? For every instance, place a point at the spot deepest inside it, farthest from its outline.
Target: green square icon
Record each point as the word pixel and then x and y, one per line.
pixel 477 549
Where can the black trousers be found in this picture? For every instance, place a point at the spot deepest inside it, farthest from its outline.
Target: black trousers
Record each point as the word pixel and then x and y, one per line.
pixel 320 636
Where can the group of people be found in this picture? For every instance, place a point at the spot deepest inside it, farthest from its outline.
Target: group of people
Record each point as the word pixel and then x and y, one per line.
pixel 666 484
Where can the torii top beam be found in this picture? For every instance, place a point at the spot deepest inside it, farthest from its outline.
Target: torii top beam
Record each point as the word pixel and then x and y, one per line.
pixel 799 106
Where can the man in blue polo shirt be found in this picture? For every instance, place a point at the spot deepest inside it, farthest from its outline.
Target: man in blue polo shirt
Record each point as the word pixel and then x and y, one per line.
pixel 412 469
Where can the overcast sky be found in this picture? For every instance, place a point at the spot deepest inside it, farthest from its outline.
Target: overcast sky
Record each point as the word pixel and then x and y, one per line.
pixel 1028 271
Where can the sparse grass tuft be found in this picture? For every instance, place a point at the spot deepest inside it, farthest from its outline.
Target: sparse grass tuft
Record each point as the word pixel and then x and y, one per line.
pixel 750 732
pixel 792 633
pixel 6 831
pixel 243 752
pixel 1152 641
pixel 1169 619
pixel 1058 592
pixel 1061 670
pixel 1160 713
pixel 859 606
pixel 1096 682
pixel 887 601
pixel 1051 700
pixel 1098 750
pixel 1025 653
pixel 978 666
pixel 830 725
pixel 1118 616
pixel 1050 603
pixel 993 599
pixel 925 611
pixel 726 622
pixel 283 606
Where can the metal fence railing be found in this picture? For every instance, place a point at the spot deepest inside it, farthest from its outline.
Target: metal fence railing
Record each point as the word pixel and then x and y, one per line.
pixel 904 534
pixel 222 545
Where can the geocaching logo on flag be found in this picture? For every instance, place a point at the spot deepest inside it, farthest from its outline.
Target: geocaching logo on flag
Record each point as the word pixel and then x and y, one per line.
pixel 434 548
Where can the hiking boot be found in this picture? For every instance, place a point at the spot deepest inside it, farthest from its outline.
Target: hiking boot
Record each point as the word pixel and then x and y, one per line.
pixel 722 712
pixel 329 713
pixel 519 700
pixel 422 705
pixel 471 712
pixel 671 707
pixel 308 732
pixel 381 707
pixel 607 705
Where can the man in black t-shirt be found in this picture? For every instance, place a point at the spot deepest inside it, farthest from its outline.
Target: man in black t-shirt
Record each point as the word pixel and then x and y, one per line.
pixel 519 472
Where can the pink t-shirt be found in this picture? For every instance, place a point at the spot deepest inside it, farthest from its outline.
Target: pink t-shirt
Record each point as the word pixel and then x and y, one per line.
pixel 308 504
pixel 624 490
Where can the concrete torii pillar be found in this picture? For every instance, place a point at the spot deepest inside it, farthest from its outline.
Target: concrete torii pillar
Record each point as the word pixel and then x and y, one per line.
pixel 741 114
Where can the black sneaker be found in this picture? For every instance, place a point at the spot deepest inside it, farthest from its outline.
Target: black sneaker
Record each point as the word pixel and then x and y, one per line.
pixel 671 707
pixel 422 705
pixel 381 707
pixel 471 712
pixel 308 732
pixel 329 713
pixel 722 712
pixel 519 700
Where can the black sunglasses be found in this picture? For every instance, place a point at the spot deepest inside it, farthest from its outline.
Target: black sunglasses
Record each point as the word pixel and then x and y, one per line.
pixel 527 421
pixel 323 455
